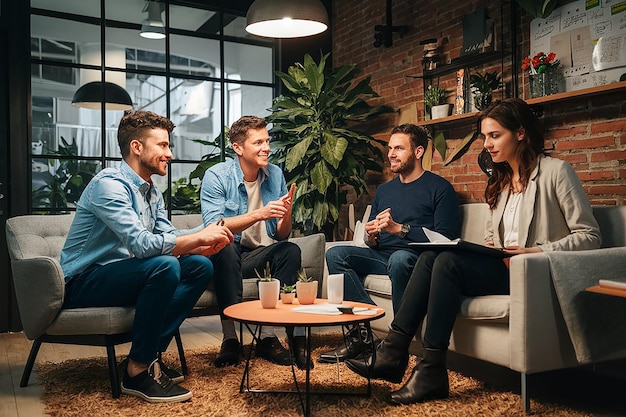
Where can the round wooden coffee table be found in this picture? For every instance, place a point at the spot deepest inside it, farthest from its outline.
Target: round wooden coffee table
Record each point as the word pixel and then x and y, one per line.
pixel 251 313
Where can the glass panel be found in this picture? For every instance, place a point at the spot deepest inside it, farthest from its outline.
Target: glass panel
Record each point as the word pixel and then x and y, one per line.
pixel 236 26
pixel 62 39
pixel 195 56
pixel 79 7
pixel 195 20
pixel 148 92
pixel 248 62
pixel 140 53
pixel 194 106
pixel 247 99
pixel 185 195
pixel 58 183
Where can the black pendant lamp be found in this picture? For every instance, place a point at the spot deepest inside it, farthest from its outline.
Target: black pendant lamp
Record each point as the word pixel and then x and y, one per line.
pixel 286 18
pixel 90 95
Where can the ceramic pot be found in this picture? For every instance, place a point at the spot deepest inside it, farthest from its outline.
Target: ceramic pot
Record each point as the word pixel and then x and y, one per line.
pixel 287 297
pixel 307 292
pixel 442 110
pixel 546 83
pixel 268 293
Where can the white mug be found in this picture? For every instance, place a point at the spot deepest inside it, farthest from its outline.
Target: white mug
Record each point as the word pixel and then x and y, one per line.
pixel 334 288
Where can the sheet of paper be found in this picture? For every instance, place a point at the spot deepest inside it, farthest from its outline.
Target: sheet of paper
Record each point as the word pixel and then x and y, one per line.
pixel 436 236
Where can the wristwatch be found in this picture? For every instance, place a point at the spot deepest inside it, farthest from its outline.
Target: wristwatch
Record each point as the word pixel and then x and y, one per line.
pixel 406 228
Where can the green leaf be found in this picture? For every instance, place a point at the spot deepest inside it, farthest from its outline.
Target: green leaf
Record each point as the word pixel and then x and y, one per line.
pixel 321 177
pixel 333 149
pixel 439 142
pixel 296 153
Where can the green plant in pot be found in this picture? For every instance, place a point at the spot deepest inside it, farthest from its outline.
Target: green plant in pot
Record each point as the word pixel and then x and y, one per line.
pixel 287 293
pixel 315 135
pixel 306 288
pixel 435 96
pixel 482 86
pixel 269 287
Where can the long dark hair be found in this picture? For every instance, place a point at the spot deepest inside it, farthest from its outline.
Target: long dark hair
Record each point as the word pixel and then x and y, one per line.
pixel 514 114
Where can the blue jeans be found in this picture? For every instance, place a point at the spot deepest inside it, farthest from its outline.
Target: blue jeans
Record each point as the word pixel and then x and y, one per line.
pixel 356 262
pixel 163 290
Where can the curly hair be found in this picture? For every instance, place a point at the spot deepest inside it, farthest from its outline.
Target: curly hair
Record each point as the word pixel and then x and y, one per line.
pixel 419 135
pixel 134 124
pixel 239 130
pixel 514 114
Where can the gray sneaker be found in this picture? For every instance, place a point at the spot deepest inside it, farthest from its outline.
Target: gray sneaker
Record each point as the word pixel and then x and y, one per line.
pixel 154 386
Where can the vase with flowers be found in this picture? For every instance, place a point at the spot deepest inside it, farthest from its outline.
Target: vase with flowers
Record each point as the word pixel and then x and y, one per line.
pixel 544 74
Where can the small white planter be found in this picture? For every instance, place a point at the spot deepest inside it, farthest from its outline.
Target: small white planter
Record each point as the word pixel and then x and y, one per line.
pixel 268 293
pixel 442 110
pixel 306 291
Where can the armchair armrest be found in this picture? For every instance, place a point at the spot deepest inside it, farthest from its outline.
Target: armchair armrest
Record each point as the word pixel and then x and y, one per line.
pixel 539 337
pixel 40 290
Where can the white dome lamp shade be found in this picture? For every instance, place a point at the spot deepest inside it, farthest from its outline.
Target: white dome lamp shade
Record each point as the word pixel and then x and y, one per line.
pixel 153 27
pixel 286 18
pixel 90 96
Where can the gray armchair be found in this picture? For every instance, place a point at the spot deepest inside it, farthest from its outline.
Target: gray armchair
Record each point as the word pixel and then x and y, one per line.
pixel 35 244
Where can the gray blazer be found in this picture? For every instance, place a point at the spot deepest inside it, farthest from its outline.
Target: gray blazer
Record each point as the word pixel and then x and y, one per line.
pixel 555 213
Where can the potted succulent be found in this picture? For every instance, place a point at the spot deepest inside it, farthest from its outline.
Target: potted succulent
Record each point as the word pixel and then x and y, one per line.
pixel 269 287
pixel 435 102
pixel 306 288
pixel 287 293
pixel 482 86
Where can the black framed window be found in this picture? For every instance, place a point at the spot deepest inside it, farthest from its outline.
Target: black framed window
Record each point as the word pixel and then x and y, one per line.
pixel 204 74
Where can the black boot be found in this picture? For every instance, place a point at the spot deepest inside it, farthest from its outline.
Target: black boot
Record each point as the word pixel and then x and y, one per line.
pixel 357 342
pixel 298 347
pixel 428 381
pixel 391 359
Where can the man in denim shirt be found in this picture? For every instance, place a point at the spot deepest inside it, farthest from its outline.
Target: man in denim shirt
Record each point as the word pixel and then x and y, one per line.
pixel 250 195
pixel 121 250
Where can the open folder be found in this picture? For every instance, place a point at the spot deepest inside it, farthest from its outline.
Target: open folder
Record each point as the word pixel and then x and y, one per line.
pixel 437 241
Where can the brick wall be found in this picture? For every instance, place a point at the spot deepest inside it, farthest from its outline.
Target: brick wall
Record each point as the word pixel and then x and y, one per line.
pixel 590 133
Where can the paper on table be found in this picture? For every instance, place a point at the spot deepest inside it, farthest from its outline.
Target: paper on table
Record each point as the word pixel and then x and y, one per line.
pixel 332 309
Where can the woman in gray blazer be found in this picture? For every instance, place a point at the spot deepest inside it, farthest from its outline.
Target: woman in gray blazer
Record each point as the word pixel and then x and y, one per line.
pixel 537 204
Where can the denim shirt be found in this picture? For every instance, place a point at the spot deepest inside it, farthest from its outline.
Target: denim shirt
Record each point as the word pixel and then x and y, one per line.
pixel 223 192
pixel 118 216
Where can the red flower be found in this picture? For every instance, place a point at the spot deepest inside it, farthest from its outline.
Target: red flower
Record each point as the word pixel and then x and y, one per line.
pixel 540 62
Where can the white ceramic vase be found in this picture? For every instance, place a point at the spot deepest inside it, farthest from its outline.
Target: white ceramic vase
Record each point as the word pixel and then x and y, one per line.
pixel 306 291
pixel 268 293
pixel 442 110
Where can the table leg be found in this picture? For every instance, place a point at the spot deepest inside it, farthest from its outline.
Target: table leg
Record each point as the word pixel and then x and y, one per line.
pixel 245 378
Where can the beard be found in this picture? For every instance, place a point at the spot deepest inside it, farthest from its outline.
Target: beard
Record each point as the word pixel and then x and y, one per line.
pixel 403 167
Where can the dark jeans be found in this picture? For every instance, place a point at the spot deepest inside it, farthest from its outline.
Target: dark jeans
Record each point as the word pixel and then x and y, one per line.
pixel 437 286
pixel 163 290
pixel 356 262
pixel 231 264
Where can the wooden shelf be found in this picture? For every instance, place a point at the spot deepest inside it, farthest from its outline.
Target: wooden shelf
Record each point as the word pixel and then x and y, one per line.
pixel 465 117
pixel 619 87
pixel 584 93
pixel 461 62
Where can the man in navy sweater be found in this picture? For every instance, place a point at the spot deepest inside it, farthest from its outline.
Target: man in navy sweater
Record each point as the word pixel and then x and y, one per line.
pixel 415 198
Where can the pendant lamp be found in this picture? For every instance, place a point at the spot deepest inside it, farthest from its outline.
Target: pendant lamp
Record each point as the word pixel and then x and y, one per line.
pixel 90 95
pixel 286 18
pixel 153 27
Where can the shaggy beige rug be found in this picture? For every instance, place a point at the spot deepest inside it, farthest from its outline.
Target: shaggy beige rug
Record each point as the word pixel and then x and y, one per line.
pixel 81 388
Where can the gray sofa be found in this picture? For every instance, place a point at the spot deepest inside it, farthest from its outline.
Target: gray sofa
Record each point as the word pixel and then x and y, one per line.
pixel 524 331
pixel 35 243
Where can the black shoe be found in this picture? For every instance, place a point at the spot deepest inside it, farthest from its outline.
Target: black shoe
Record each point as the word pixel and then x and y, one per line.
pixel 271 349
pixel 172 374
pixel 229 354
pixel 154 386
pixel 357 343
pixel 298 347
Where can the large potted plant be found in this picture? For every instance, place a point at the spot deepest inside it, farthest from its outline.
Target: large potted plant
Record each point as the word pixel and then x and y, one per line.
pixel 315 134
